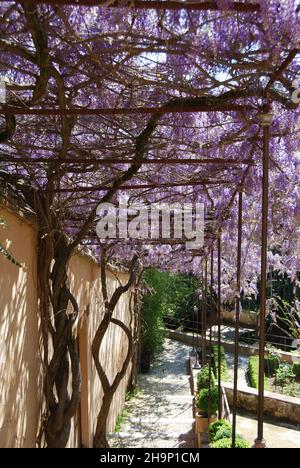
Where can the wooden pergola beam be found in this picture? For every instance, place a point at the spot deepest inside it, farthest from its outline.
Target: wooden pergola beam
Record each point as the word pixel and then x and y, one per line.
pixel 168 109
pixel 99 188
pixel 155 5
pixel 112 161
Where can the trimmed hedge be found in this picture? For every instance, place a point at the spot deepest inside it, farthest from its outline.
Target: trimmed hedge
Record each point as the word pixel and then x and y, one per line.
pixel 227 444
pixel 253 373
pixel 220 436
pixel 206 402
pixel 223 433
pixel 224 369
pixel 296 369
pixel 215 427
pixel 203 378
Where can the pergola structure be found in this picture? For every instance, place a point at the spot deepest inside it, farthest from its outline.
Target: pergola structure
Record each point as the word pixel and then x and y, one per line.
pixel 252 105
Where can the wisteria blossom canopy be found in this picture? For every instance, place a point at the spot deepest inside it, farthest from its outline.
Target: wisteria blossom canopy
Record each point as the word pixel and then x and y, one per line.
pixel 159 103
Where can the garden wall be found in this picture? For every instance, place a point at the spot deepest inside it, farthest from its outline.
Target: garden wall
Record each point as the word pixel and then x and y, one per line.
pixel 279 406
pixel 229 346
pixel 248 319
pixel 20 357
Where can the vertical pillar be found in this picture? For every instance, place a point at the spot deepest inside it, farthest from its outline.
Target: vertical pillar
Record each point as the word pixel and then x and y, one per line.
pixel 237 318
pixel 219 329
pixel 204 313
pixel 265 120
pixel 210 328
pixel 203 345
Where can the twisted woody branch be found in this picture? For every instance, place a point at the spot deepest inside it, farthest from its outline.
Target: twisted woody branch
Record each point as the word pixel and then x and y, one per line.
pixel 109 389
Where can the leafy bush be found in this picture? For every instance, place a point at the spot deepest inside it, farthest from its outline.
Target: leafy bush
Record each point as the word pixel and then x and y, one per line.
pixel 272 361
pixel 253 373
pixel 227 444
pixel 152 312
pixel 296 369
pixel 165 295
pixel 292 389
pixel 216 426
pixel 208 401
pixel 284 375
pixel 177 294
pixel 205 376
pixel 223 433
pixel 224 369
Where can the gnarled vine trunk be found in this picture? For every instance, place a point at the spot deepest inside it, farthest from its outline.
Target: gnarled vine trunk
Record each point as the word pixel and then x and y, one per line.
pixel 59 311
pixel 109 389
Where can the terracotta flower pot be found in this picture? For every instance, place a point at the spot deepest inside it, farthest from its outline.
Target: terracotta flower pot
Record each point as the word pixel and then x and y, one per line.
pixel 202 424
pixel 201 428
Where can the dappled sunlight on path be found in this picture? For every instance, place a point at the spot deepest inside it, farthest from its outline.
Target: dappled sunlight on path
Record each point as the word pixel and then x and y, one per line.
pixel 161 416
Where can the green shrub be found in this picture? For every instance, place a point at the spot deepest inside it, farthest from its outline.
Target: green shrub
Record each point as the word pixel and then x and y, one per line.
pixel 253 373
pixel 272 361
pixel 223 433
pixel 271 366
pixel 227 444
pixel 296 369
pixel 153 333
pixel 177 294
pixel 284 375
pixel 224 369
pixel 292 389
pixel 206 401
pixel 205 376
pixel 216 426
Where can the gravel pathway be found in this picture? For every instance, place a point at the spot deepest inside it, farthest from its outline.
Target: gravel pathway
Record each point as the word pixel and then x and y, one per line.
pixel 161 416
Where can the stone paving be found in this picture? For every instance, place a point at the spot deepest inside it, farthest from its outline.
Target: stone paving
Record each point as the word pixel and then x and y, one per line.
pixel 276 434
pixel 161 416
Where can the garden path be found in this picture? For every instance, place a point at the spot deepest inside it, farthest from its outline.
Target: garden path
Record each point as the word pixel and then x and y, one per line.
pixel 278 435
pixel 161 415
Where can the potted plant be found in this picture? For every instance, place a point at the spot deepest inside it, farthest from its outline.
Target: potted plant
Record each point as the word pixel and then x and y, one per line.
pixel 206 378
pixel 207 404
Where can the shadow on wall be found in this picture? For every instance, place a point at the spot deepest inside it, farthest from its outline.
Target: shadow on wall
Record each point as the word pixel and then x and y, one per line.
pixel 86 286
pixel 20 379
pixel 112 352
